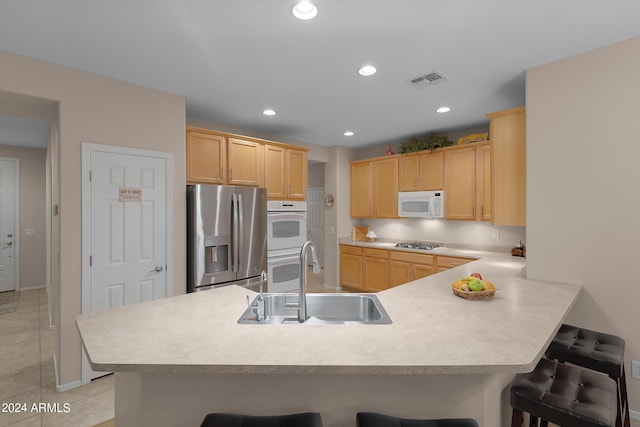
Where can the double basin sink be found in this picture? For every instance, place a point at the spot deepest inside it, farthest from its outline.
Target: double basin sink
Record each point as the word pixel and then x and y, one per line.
pixel 321 309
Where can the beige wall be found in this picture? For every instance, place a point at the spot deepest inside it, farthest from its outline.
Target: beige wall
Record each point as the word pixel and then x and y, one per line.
pixel 32 214
pixel 583 198
pixel 103 111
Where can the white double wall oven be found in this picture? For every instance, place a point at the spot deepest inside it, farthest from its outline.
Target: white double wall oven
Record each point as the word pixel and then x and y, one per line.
pixel 286 233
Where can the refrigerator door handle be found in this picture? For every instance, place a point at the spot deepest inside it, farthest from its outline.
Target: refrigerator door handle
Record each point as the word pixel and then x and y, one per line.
pixel 235 233
pixel 240 235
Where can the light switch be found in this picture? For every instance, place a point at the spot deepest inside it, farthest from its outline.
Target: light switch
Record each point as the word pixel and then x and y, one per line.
pixel 29 231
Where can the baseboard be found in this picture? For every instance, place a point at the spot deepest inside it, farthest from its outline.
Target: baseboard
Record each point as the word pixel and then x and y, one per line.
pixel 32 288
pixel 634 415
pixel 64 387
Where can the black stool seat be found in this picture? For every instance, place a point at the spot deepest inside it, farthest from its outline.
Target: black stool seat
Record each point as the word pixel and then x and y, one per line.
pixel 594 350
pixel 305 419
pixel 370 419
pixel 589 349
pixel 565 395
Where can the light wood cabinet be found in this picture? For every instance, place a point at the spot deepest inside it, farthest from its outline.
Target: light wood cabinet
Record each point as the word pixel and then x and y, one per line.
pixel 373 269
pixel 508 136
pixel 361 190
pixel 418 172
pixel 374 188
pixel 405 267
pixel 286 172
pixel 376 270
pixel 297 174
pixel 246 162
pixel 206 157
pixel 385 188
pixel 467 183
pixel 432 171
pixel 446 262
pixel 351 264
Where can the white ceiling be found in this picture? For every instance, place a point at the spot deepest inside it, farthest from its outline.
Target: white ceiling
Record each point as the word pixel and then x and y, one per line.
pixel 234 58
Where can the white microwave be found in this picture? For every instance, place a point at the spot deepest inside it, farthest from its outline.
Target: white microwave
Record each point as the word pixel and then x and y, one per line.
pixel 421 204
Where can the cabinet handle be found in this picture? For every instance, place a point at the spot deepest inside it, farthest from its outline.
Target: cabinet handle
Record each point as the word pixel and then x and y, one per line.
pixel 481 211
pixel 221 173
pixel 473 211
pixel 283 189
pixel 230 174
pixel 290 187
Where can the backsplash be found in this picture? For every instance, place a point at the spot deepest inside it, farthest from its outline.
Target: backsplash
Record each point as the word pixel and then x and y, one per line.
pixel 472 234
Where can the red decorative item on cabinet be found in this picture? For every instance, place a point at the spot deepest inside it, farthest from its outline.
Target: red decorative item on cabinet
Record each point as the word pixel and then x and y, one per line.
pixel 389 151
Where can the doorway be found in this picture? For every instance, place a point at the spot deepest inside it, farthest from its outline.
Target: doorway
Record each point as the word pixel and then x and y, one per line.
pixel 126 229
pixel 9 214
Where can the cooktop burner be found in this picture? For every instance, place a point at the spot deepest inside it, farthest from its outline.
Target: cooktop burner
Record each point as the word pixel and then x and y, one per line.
pixel 418 245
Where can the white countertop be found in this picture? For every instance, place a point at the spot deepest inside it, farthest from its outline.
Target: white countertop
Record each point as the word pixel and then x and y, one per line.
pixel 445 250
pixel 433 331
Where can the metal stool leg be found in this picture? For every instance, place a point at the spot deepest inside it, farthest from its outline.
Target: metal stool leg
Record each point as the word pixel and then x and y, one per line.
pixel 516 418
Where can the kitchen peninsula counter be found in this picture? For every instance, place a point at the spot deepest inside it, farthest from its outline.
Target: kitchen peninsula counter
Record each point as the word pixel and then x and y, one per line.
pixel 449 344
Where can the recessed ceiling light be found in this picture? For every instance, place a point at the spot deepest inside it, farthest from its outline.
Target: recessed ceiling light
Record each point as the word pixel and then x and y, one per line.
pixel 305 10
pixel 367 70
pixel 348 133
pixel 269 112
pixel 443 110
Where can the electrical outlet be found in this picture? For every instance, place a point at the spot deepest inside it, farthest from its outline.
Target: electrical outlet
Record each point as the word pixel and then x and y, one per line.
pixel 495 233
pixel 635 369
pixel 400 228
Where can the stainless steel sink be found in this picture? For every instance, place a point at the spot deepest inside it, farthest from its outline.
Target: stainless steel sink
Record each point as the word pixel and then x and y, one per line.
pixel 321 309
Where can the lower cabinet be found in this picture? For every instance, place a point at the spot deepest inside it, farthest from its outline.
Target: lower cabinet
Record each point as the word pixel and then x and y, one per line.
pixel 351 267
pixel 376 270
pixel 373 270
pixel 405 267
pixel 447 262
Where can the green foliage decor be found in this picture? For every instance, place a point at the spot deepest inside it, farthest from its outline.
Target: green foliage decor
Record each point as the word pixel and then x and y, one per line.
pixel 430 143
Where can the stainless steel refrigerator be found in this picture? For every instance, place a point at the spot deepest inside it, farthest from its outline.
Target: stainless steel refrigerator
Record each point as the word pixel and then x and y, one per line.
pixel 226 236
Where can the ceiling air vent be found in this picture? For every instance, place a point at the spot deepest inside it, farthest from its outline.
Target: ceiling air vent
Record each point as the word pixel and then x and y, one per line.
pixel 429 79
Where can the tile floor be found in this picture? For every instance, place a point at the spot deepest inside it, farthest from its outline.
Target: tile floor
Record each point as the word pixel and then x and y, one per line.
pixel 27 377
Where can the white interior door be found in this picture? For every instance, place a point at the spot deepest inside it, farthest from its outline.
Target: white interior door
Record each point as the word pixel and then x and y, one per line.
pixel 7 225
pixel 128 229
pixel 315 221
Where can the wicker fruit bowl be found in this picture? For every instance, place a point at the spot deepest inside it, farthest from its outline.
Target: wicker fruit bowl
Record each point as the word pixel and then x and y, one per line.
pixel 474 294
pixel 473 287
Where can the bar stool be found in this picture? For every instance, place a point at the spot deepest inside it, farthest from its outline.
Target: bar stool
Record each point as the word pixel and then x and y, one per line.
pixel 305 419
pixel 370 419
pixel 594 350
pixel 566 395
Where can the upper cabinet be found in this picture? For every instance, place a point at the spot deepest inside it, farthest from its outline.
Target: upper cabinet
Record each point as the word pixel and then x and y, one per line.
pixel 286 172
pixel 221 158
pixel 508 136
pixel 374 188
pixel 417 172
pixel 206 157
pixel 246 163
pixel 467 182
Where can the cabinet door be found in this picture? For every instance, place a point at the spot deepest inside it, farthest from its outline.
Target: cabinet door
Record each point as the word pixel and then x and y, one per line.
pixel 361 190
pixel 297 174
pixel 376 274
pixel 274 171
pixel 409 173
pixel 351 271
pixel 385 188
pixel 459 183
pixel 508 137
pixel 246 163
pixel 206 158
pixel 433 171
pixel 422 270
pixel 483 183
pixel 399 273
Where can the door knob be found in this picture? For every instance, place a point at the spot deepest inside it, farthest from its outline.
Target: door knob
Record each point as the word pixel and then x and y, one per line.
pixel 158 269
pixel 9 243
